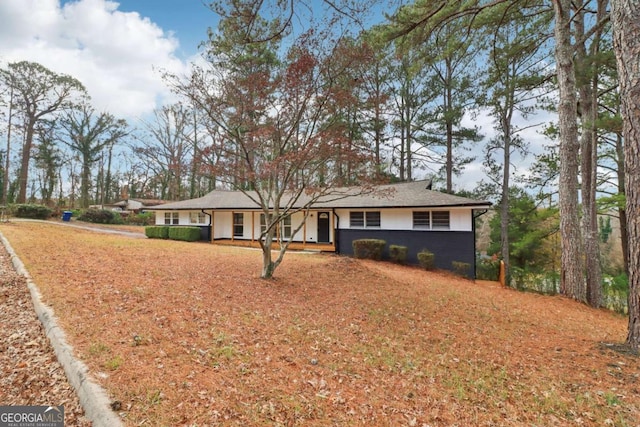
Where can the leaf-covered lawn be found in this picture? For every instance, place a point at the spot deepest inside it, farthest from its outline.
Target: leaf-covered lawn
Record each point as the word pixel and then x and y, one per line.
pixel 188 334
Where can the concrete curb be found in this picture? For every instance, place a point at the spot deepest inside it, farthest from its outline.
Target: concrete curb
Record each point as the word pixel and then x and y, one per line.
pixel 93 398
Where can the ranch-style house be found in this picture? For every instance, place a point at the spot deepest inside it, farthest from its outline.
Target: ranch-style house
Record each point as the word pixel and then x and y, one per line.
pixel 407 214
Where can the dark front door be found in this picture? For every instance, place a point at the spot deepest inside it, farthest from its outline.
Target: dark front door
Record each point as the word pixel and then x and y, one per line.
pixel 323 227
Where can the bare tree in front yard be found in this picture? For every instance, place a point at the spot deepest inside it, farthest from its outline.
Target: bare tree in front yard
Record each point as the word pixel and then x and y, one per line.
pixel 271 111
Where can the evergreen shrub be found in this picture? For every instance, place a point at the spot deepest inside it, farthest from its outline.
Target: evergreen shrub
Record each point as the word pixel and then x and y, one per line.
pixel 368 248
pixel 101 216
pixel 487 268
pixel 398 253
pixel 32 211
pixel 188 234
pixel 157 232
pixel 146 218
pixel 426 259
pixel 462 269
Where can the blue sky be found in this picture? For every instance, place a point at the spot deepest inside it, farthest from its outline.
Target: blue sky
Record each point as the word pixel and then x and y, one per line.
pixel 188 20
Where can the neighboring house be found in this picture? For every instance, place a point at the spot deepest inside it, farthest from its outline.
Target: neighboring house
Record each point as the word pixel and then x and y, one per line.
pixel 134 205
pixel 406 214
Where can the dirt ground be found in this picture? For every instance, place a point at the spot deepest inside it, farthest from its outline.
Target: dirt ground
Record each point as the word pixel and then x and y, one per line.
pixel 187 334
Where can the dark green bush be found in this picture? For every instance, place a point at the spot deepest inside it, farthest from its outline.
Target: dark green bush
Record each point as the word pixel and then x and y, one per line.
pixel 487 268
pixel 426 259
pixel 101 216
pixel 368 248
pixel 462 269
pixel 32 211
pixel 620 282
pixel 157 232
pixel 188 234
pixel 146 218
pixel 398 253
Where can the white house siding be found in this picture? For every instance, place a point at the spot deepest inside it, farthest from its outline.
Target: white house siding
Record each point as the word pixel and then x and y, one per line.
pixel 309 235
pixel 183 218
pixel 311 229
pixel 460 219
pixel 223 225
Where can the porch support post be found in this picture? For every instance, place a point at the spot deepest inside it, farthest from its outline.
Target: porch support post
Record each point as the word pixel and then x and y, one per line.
pixel 304 232
pixel 253 226
pixel 213 229
pixel 332 230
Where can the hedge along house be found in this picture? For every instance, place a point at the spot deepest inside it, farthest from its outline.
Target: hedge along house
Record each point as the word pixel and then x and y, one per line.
pixel 405 214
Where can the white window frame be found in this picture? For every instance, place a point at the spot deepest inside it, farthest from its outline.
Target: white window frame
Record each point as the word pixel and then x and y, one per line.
pixel 171 218
pixel 356 219
pixel 238 224
pixel 370 219
pixel 432 220
pixel 440 223
pixel 283 229
pixel 197 218
pixel 421 220
pixel 263 223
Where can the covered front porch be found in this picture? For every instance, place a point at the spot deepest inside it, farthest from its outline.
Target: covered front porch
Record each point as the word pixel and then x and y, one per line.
pixel 315 232
pixel 295 246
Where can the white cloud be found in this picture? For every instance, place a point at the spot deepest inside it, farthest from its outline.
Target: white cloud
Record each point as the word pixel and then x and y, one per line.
pixel 530 131
pixel 116 55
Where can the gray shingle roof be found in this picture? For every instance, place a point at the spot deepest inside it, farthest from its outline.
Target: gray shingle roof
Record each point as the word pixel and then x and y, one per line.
pixel 403 195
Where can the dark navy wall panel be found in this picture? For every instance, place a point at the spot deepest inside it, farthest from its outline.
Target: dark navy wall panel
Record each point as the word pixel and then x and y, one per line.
pixel 205 233
pixel 447 246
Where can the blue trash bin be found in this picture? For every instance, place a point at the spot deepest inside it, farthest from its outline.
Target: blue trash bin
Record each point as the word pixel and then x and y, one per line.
pixel 66 215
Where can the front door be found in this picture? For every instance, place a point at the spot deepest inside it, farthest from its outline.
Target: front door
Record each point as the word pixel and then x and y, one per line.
pixel 323 227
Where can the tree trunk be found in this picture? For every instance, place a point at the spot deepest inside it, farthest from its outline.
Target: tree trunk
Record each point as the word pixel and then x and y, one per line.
pixel 403 133
pixel 624 237
pixel 378 125
pixel 7 163
pixel 268 266
pixel 571 279
pixel 84 183
pixel 449 128
pixel 194 162
pixel 107 186
pixel 622 212
pixel 408 153
pixel 589 208
pixel 588 92
pixel 26 158
pixel 626 42
pixel 267 263
pixel 504 205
